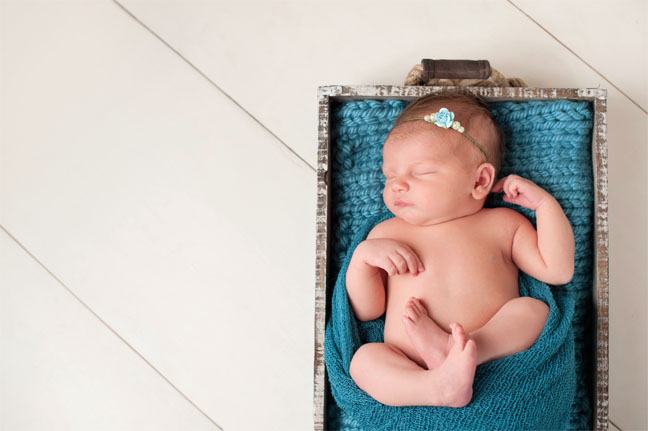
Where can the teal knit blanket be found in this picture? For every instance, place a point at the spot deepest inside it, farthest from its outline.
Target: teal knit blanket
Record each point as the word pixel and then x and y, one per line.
pixel 547 386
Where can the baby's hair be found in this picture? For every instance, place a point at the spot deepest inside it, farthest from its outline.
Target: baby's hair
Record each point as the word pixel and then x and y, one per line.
pixel 472 111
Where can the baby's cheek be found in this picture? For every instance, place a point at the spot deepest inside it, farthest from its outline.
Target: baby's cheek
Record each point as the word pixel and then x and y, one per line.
pixel 426 199
pixel 385 194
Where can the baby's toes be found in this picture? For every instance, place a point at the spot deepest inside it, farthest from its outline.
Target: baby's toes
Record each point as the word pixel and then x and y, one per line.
pixel 458 335
pixel 471 349
pixel 412 303
pixel 420 308
pixel 410 313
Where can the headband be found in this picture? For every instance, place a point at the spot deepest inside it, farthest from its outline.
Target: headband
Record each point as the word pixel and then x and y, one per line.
pixel 445 119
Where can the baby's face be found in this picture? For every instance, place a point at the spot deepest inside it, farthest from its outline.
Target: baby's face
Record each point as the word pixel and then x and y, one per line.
pixel 429 176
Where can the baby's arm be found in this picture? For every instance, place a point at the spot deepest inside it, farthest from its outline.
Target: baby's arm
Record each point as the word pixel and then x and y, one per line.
pixel 365 278
pixel 547 254
pixel 365 287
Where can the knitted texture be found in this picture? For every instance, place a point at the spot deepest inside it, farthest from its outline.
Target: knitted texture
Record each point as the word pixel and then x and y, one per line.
pixel 548 386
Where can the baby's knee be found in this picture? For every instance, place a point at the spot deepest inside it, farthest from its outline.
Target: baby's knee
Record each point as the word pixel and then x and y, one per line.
pixel 359 361
pixel 535 308
pixel 535 313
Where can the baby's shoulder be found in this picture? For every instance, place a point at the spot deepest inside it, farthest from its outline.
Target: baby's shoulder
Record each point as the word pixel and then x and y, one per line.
pixel 505 218
pixel 381 230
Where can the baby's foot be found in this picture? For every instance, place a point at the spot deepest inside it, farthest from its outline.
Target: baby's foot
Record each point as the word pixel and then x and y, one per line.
pixel 429 340
pixel 456 374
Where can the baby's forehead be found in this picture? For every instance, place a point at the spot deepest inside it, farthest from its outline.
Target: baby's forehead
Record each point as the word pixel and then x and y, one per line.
pixel 425 151
pixel 420 147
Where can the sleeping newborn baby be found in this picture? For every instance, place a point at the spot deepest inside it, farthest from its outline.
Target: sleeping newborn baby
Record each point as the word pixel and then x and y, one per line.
pixel 445 269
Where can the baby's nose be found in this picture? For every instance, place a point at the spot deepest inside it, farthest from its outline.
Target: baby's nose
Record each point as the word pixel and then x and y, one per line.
pixel 399 185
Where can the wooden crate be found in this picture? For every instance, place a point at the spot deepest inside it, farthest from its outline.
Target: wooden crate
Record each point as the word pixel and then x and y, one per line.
pixel 340 93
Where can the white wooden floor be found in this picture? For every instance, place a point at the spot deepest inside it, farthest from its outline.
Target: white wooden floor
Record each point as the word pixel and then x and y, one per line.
pixel 157 192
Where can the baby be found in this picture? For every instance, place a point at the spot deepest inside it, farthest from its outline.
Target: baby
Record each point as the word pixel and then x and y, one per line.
pixel 445 269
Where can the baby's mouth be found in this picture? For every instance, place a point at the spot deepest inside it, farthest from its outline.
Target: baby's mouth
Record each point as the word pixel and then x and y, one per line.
pixel 400 203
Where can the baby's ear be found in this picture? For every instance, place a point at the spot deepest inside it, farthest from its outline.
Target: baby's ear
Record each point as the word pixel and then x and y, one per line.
pixel 484 180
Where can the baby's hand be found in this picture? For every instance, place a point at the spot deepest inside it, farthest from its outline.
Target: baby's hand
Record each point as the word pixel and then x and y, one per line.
pixel 521 191
pixel 391 255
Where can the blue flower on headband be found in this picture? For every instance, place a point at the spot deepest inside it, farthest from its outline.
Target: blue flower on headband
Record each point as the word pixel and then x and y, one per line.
pixel 444 118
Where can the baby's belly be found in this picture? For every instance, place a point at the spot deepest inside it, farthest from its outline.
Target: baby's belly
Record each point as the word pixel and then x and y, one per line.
pixel 459 298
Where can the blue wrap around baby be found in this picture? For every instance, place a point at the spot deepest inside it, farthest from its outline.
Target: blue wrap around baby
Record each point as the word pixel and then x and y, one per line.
pixel 532 389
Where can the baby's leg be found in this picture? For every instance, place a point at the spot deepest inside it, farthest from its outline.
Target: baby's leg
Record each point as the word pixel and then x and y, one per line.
pixel 514 328
pixel 391 378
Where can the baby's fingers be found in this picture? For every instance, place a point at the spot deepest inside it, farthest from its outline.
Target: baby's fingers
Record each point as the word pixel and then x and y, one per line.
pixel 410 258
pixel 390 267
pixel 499 186
pixel 513 189
pixel 414 262
pixel 399 262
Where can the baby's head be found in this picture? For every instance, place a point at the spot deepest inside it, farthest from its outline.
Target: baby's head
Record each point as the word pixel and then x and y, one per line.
pixel 435 174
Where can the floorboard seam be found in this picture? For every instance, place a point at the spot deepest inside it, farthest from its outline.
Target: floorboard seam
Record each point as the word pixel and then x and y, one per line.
pixel 580 58
pixel 87 307
pixel 193 66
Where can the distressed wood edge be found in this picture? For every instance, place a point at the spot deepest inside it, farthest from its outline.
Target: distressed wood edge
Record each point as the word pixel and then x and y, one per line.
pixel 495 93
pixel 602 259
pixel 322 223
pixel 598 96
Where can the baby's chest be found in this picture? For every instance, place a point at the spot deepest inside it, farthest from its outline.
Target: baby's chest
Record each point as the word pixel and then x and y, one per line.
pixel 468 275
pixel 459 258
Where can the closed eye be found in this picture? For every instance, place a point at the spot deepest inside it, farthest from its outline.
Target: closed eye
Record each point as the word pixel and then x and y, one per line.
pixel 425 173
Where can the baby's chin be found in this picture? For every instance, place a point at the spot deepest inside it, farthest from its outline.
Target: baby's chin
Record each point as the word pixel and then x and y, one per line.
pixel 408 215
pixel 417 218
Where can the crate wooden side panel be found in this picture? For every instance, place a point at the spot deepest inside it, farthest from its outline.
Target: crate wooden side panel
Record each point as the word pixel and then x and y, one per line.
pixel 322 223
pixel 328 94
pixel 601 274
